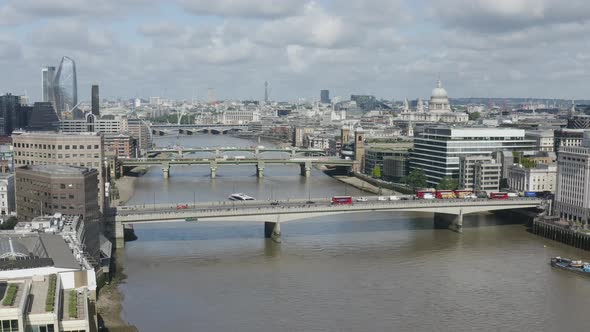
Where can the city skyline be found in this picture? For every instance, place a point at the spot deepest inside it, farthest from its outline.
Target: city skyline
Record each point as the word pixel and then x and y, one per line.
pixel 391 49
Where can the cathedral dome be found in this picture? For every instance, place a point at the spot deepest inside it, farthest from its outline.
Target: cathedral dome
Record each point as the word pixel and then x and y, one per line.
pixel 439 92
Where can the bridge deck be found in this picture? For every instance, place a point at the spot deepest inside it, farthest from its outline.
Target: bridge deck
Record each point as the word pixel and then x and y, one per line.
pixel 300 210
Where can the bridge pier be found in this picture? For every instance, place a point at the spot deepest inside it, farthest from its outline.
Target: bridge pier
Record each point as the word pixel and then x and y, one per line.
pixel 272 230
pixel 453 222
pixel 213 168
pixel 166 171
pixel 119 235
pixel 260 169
pixel 305 169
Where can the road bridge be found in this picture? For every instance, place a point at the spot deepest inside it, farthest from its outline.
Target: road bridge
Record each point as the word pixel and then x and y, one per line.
pixel 189 129
pixel 219 151
pixel 305 164
pixel 447 213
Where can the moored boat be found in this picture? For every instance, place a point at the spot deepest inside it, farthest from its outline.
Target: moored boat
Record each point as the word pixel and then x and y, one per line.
pixel 576 266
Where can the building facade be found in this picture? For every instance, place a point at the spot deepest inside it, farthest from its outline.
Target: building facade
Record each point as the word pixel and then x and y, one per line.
pixel 565 137
pixel 572 199
pixel 49 189
pixel 480 173
pixel 120 145
pixel 545 139
pixel 95 101
pixel 541 178
pixel 325 96
pixel 65 87
pixel 7 194
pixel 395 167
pixel 47 77
pixel 83 149
pixel 437 151
pixel 43 118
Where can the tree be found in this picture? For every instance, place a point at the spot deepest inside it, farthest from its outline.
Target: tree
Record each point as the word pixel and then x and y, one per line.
pixel 9 223
pixel 447 183
pixel 474 116
pixel 416 179
pixel 377 171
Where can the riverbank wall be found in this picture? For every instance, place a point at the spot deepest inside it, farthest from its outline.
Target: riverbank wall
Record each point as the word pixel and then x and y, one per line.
pixel 551 229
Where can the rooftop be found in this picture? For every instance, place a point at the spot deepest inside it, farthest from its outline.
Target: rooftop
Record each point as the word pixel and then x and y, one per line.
pixel 56 135
pixel 57 169
pixel 35 250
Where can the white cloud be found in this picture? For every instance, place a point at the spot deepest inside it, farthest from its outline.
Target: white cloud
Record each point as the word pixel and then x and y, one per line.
pixel 509 15
pixel 243 8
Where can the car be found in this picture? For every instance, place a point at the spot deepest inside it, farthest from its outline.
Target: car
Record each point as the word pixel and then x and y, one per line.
pixel 381 198
pixel 405 199
pixel 310 202
pixel 362 199
pixel 274 203
pixel 393 198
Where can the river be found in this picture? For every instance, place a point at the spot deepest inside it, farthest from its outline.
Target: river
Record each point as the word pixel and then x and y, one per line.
pixel 355 272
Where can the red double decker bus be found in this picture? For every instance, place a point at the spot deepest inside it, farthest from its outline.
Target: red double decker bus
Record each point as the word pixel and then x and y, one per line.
pixel 498 195
pixel 342 200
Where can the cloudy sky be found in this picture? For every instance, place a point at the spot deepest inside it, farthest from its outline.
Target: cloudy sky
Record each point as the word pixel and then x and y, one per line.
pixel 389 48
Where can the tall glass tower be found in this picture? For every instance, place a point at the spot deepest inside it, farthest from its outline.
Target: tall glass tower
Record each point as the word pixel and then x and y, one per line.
pixel 65 86
pixel 47 77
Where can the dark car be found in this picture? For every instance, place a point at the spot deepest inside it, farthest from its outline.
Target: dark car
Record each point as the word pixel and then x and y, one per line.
pixel 310 202
pixel 274 203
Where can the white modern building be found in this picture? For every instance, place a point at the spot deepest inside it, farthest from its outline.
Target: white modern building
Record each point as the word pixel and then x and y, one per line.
pixel 541 178
pixel 572 199
pixel 7 197
pixel 438 150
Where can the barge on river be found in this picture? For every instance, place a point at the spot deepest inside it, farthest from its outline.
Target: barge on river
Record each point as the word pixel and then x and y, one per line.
pixel 575 266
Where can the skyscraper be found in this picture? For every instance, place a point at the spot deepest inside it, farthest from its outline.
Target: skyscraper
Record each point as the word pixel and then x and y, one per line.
pixel 95 101
pixel 47 77
pixel 11 115
pixel 265 91
pixel 65 86
pixel 325 96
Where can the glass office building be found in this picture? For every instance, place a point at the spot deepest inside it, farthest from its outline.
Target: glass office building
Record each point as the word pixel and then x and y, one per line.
pixel 438 150
pixel 65 86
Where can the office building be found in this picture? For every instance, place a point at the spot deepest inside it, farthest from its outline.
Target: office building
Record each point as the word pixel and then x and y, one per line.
pixel 376 155
pixel 239 116
pixel 539 178
pixel 7 197
pixel 479 173
pixel 565 137
pixel 48 189
pixel 95 101
pixel 140 131
pixel 396 167
pixel 12 114
pixel 325 96
pixel 47 78
pixel 299 134
pixel 572 199
pixel 83 149
pixel 437 151
pixel 42 117
pixel 120 145
pixel 544 138
pixel 317 142
pixel 92 124
pixel 65 87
